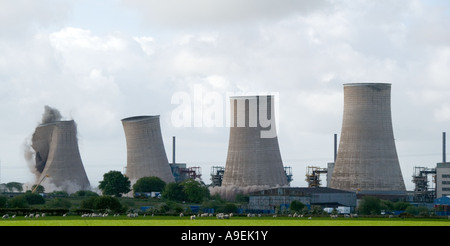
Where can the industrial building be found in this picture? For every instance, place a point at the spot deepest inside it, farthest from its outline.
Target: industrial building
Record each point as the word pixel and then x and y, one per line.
pixel 442 206
pixel 146 155
pixel 180 171
pixel 367 161
pixel 270 200
pixel 254 157
pixel 443 179
pixel 443 172
pixel 57 156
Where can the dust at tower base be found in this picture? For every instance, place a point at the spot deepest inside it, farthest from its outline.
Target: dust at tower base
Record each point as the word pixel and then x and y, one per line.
pixel 367 159
pixel 57 157
pixel 254 157
pixel 146 155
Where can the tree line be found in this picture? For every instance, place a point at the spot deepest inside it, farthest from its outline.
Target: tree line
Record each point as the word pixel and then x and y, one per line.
pixel 113 186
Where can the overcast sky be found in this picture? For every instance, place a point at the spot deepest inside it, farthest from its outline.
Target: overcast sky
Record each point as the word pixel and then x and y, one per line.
pixel 101 61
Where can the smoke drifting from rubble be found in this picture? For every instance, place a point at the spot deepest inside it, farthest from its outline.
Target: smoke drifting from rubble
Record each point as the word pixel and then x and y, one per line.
pixel 50 115
pixel 229 192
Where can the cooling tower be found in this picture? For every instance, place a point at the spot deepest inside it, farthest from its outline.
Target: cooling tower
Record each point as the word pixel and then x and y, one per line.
pixel 146 155
pixel 367 161
pixel 254 157
pixel 58 157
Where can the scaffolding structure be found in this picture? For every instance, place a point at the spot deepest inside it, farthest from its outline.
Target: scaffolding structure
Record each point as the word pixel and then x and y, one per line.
pixel 217 175
pixel 182 173
pixel 422 191
pixel 288 171
pixel 313 176
pixel 192 173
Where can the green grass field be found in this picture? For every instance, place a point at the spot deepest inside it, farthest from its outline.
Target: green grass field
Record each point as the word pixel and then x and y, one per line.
pixel 234 221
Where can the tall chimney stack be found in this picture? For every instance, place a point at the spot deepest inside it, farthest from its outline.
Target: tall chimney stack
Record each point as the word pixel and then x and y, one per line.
pixel 444 154
pixel 173 150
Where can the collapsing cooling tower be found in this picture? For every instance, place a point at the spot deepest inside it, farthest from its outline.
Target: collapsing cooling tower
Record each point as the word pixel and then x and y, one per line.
pixel 254 157
pixel 367 159
pixel 146 155
pixel 57 156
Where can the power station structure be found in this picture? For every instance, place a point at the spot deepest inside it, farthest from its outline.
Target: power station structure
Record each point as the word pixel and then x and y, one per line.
pixel 254 157
pixel 146 155
pixel 57 157
pixel 367 161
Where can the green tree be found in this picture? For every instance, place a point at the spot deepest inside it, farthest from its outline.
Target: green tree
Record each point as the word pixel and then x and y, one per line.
pixel 230 208
pixel 174 192
pixel 242 198
pixel 18 202
pixel 59 203
pixel 194 191
pixel 33 198
pixel 14 186
pixel 102 203
pixel 370 205
pixel 401 206
pixel 114 183
pixel 108 202
pixel 3 200
pixel 296 206
pixel 39 189
pixel 387 206
pixel 84 193
pixel 149 184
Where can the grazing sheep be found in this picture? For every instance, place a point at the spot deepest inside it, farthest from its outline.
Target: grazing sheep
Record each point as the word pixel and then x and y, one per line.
pixel 132 215
pixel 193 217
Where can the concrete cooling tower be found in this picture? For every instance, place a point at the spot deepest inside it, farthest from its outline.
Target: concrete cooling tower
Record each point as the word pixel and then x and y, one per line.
pixel 57 157
pixel 254 157
pixel 146 155
pixel 367 161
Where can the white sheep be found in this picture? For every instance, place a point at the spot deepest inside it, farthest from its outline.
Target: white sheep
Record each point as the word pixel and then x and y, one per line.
pixel 193 217
pixel 132 215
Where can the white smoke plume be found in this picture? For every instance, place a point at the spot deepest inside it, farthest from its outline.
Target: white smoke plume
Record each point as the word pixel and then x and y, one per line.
pixel 229 192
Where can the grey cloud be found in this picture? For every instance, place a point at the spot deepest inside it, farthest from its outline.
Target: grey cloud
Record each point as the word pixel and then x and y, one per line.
pixel 209 13
pixel 18 18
